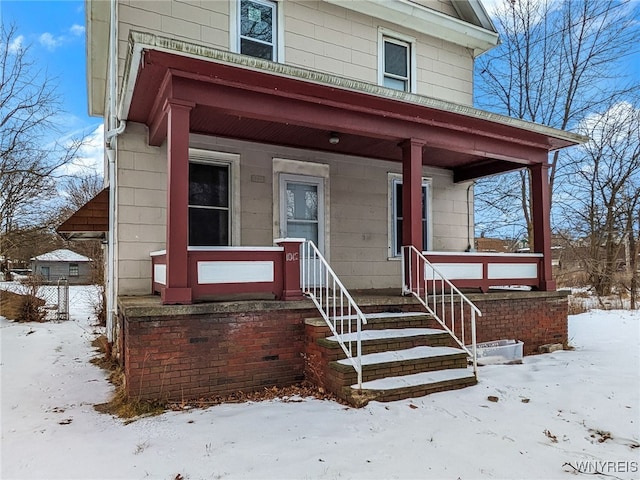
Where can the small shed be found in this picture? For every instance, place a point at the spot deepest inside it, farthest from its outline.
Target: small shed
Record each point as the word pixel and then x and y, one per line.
pixel 53 266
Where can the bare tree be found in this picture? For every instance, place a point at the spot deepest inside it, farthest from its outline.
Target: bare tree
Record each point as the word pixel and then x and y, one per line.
pixel 31 154
pixel 557 62
pixel 602 194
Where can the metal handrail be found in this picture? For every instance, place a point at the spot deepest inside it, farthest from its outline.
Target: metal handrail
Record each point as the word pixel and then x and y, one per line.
pixel 432 289
pixel 335 304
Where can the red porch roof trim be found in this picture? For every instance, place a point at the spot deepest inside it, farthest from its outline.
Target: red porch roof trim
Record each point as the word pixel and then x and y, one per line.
pixel 251 99
pixel 91 221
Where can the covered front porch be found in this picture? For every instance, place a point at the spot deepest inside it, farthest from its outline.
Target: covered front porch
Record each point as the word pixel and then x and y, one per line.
pixel 217 94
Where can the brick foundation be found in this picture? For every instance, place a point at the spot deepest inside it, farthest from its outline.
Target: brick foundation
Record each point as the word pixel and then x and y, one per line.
pixel 189 356
pixel 187 352
pixel 536 318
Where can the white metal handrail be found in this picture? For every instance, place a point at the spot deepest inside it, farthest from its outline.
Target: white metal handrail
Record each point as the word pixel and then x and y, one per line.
pixel 335 304
pixel 435 292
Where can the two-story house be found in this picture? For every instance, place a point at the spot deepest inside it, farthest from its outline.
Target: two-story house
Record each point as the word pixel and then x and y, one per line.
pixel 238 131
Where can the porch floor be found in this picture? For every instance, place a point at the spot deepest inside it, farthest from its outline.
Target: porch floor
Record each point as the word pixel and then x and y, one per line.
pixel 151 305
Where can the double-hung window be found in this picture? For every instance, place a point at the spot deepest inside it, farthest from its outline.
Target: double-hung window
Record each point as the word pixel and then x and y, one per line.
pixel 397 217
pixel 209 204
pixel 396 62
pixel 257 28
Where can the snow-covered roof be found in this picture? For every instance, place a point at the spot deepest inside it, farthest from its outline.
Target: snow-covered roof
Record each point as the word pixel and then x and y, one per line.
pixel 61 255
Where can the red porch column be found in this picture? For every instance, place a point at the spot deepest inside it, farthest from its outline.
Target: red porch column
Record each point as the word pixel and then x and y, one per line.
pixel 176 290
pixel 541 203
pixel 412 193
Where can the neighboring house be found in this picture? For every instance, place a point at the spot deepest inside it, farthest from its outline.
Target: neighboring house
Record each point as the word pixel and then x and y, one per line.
pixel 496 245
pixel 62 263
pixel 239 129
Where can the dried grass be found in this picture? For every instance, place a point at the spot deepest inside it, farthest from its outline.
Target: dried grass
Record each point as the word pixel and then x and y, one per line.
pixel 22 307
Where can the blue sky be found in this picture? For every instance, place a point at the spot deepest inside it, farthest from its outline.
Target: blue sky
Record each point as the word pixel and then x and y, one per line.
pixel 55 30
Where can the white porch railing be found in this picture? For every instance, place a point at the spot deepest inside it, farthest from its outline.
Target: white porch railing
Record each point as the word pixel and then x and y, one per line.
pixel 335 304
pixel 441 298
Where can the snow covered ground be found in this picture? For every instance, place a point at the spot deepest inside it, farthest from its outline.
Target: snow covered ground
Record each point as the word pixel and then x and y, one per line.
pixel 555 413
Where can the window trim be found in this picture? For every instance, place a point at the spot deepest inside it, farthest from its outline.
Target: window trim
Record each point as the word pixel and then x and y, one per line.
pixel 234 27
pixel 393 180
pixel 232 161
pixel 385 34
pixel 288 166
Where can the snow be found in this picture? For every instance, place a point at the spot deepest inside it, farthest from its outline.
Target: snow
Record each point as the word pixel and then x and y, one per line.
pixel 387 334
pixel 414 353
pixel 578 407
pixel 61 255
pixel 414 379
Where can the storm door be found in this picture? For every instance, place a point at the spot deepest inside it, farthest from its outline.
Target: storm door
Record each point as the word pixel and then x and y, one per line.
pixel 302 208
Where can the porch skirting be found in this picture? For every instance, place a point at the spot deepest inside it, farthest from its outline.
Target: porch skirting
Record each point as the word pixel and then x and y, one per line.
pixel 186 352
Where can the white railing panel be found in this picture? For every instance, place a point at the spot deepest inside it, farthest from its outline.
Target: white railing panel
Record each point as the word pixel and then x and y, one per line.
pixel 335 304
pixel 441 298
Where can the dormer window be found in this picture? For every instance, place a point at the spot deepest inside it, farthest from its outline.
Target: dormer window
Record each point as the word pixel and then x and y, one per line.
pixel 396 61
pixel 257 28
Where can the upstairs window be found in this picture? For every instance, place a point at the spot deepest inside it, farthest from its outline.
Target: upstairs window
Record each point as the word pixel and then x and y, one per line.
pixel 257 28
pixel 396 61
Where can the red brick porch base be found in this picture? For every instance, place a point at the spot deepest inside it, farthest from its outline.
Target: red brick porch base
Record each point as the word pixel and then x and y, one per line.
pixel 184 352
pixel 536 318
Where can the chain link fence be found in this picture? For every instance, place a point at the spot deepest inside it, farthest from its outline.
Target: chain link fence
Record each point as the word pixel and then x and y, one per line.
pixel 41 301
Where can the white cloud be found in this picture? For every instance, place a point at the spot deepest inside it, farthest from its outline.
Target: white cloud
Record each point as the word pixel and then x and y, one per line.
pixel 621 113
pixel 90 157
pixel 49 41
pixel 76 30
pixel 16 45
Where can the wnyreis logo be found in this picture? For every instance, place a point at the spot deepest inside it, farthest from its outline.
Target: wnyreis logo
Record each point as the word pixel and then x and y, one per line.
pixel 598 467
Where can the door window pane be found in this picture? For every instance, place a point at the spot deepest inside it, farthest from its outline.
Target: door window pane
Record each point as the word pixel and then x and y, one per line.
pixel 302 211
pixel 302 201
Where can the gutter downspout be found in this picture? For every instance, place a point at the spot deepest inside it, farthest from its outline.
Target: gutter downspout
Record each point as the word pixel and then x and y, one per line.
pixel 114 128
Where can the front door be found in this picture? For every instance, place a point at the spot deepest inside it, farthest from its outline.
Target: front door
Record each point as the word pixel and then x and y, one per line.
pixel 302 209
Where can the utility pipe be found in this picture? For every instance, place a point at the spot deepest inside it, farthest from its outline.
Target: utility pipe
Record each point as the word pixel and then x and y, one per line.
pixel 114 128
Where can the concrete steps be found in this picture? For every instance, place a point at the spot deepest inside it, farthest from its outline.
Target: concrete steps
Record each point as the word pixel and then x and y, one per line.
pixel 403 356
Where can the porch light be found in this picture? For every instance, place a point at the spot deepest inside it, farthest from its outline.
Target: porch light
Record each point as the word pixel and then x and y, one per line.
pixel 334 139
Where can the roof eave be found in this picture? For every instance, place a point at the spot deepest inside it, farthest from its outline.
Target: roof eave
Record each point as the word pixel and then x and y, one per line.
pixel 428 21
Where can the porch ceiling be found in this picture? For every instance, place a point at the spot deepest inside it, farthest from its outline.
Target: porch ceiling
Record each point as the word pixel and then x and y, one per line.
pixel 234 101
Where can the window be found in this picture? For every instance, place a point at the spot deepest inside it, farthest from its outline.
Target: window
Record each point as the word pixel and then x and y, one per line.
pixel 257 29
pixel 209 205
pixel 396 214
pixel 396 61
pixel 74 270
